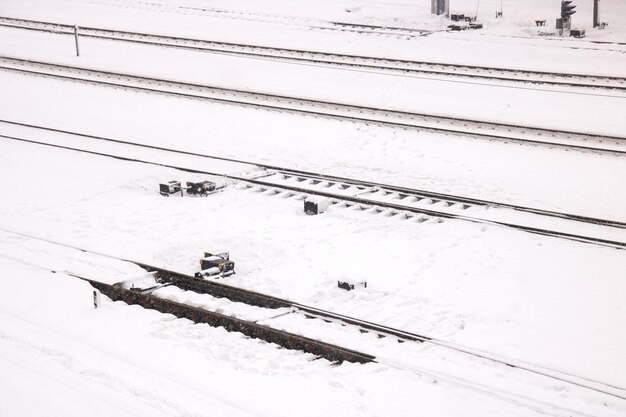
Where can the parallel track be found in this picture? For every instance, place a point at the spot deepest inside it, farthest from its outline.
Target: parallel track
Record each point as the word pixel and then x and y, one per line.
pixel 350 200
pixel 289 340
pixel 241 295
pixel 319 108
pixel 285 339
pixel 301 22
pixel 258 331
pixel 403 66
pixel 402 192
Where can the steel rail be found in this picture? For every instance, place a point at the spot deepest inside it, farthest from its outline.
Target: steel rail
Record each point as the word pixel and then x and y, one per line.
pixel 255 298
pixel 347 108
pixel 352 199
pixel 331 58
pixel 333 353
pixel 325 60
pixel 250 297
pixel 344 180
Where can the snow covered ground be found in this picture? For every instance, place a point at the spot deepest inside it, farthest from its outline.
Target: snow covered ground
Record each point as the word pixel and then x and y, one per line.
pixel 438 275
pixel 464 166
pixel 550 302
pixel 535 106
pixel 64 358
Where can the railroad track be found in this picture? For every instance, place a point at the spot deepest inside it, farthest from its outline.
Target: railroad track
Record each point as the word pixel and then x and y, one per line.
pixel 398 66
pixel 253 298
pixel 265 317
pixel 284 20
pixel 400 202
pixel 288 340
pixel 318 108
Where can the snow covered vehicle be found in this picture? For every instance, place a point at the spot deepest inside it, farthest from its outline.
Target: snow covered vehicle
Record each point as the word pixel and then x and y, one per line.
pixel 216 265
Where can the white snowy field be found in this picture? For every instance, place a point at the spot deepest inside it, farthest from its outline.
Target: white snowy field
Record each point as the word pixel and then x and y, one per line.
pixel 553 303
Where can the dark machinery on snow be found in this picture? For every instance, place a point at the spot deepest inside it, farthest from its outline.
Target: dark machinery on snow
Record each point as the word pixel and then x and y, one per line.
pixel 203 188
pixel 315 205
pixel 170 188
pixel 351 285
pixel 216 265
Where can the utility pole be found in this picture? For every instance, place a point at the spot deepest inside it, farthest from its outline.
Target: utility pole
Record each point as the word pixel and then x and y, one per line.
pixel 76 39
pixel 596 13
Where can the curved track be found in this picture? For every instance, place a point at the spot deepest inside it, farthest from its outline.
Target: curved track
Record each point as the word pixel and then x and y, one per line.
pixel 319 108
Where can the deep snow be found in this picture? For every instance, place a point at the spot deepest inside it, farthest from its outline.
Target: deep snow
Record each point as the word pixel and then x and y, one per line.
pixel 553 303
pixel 464 283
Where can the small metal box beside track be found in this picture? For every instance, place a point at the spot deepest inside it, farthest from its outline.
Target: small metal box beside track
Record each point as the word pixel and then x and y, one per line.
pixel 169 188
pixel 349 285
pixel 577 33
pixel 315 205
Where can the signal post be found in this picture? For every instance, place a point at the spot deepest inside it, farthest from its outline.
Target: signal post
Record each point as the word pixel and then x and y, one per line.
pixel 564 23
